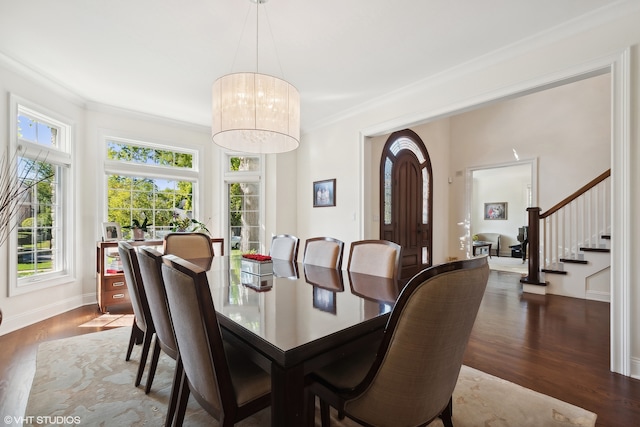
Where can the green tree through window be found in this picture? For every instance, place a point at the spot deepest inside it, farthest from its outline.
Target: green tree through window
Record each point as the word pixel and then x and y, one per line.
pixel 147 195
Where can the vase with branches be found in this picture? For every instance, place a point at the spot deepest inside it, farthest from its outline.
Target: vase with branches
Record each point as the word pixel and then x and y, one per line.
pixel 18 178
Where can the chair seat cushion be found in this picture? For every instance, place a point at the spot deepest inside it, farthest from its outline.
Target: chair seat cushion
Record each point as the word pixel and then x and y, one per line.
pixel 350 370
pixel 249 380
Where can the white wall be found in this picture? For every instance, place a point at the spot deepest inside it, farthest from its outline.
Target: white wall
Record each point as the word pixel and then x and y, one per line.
pixel 566 128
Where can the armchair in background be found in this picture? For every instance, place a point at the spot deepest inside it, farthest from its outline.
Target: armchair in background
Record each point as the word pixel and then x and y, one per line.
pixel 493 238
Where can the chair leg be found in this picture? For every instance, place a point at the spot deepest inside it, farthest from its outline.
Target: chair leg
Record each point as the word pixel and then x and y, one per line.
pixel 155 355
pixel 310 408
pixel 146 344
pixel 175 392
pixel 447 414
pixel 182 401
pixel 134 339
pixel 324 413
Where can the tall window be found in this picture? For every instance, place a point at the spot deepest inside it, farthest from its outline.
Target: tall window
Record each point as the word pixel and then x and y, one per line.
pixel 42 164
pixel 147 182
pixel 244 199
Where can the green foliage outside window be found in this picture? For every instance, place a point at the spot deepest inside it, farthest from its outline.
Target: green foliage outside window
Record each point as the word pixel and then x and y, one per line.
pixel 134 198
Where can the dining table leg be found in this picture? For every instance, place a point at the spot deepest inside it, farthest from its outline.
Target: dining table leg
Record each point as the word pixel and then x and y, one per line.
pixel 287 396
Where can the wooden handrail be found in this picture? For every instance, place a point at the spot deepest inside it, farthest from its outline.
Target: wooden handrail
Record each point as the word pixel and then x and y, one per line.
pixel 606 174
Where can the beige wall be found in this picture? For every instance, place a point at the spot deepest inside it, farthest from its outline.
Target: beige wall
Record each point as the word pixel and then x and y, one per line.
pixel 567 129
pixel 340 147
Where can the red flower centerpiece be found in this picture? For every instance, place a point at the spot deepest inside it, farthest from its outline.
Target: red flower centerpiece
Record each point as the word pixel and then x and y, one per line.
pixel 256 264
pixel 257 257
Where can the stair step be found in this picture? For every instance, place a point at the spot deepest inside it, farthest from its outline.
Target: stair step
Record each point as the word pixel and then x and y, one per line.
pixel 546 270
pixel 587 249
pixel 574 261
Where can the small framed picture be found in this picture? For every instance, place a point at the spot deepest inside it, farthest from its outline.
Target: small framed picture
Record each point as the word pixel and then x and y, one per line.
pixel 111 231
pixel 495 210
pixel 324 193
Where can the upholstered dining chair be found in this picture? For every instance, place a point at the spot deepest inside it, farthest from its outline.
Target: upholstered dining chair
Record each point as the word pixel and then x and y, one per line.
pixel 222 380
pixel 424 340
pixel 188 245
pixel 323 252
pixel 143 329
pixel 284 246
pixel 150 261
pixel 376 258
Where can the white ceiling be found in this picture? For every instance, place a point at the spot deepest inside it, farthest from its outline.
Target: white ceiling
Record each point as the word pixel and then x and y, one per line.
pixel 162 56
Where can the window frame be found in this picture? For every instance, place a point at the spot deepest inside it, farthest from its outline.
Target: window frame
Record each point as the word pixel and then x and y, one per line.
pixel 62 156
pixel 228 177
pixel 132 169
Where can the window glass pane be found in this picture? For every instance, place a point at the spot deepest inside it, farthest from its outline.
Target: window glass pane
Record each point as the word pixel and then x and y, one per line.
pixel 38 132
pixel 157 200
pixel 39 217
pixel 131 153
pixel 407 144
pixel 425 196
pixel 388 165
pixel 244 216
pixel 244 164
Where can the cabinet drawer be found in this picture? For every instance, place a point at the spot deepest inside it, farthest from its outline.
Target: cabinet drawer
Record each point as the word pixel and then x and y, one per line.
pixel 115 297
pixel 114 284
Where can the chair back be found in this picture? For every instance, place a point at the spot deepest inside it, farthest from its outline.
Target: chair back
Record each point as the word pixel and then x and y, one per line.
pixel 323 252
pixel 137 294
pixel 284 246
pixel 376 258
pixel 150 261
pixel 322 277
pixel 374 288
pixel 425 340
pixel 188 245
pixel 198 335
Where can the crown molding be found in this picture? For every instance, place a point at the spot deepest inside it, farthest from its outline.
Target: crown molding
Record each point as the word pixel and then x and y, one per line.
pixel 558 33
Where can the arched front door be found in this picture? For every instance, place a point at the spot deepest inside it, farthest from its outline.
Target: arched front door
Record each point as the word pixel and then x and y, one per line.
pixel 406 189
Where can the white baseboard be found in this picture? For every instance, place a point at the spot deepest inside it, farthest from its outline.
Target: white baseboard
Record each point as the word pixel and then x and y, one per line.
pixel 635 368
pixel 13 323
pixel 598 296
pixel 534 289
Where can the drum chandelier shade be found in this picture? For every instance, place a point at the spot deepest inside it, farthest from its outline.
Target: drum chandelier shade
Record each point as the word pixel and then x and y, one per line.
pixel 255 113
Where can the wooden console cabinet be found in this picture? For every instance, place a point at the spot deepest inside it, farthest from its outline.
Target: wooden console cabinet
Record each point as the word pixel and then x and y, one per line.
pixel 111 286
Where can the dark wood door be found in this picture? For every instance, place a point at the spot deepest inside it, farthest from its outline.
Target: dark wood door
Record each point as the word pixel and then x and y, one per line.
pixel 406 201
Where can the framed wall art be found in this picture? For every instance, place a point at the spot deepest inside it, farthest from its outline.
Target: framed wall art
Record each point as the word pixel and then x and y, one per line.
pixel 495 210
pixel 111 231
pixel 324 193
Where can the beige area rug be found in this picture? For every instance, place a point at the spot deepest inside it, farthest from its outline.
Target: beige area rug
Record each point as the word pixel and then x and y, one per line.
pixel 86 378
pixel 512 265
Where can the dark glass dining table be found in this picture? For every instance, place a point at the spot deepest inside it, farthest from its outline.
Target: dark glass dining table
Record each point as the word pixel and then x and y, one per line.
pixel 296 320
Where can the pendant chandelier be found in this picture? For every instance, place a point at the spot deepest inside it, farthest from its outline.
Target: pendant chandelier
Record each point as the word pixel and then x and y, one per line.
pixel 255 113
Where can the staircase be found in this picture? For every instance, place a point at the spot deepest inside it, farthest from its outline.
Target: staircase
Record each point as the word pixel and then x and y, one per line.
pixel 569 245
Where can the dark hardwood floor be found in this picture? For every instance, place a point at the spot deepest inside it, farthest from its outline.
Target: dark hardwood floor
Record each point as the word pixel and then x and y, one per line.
pixel 555 345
